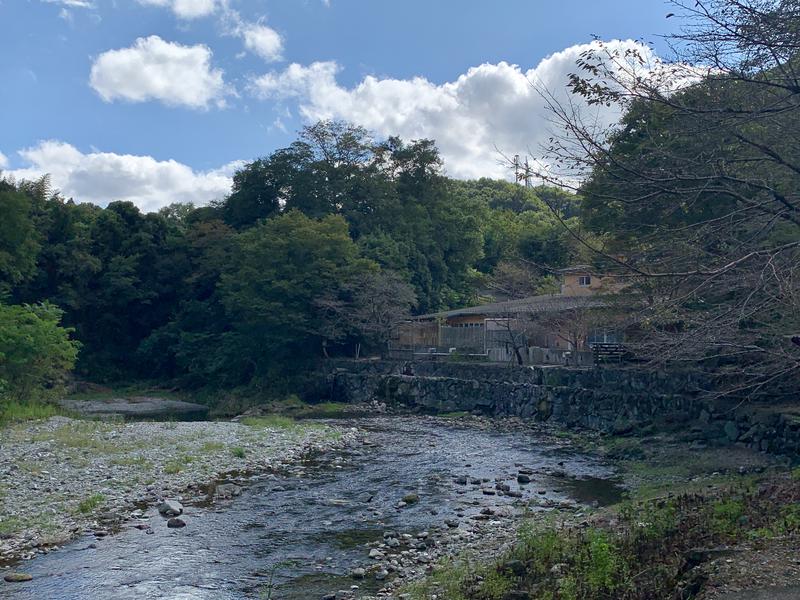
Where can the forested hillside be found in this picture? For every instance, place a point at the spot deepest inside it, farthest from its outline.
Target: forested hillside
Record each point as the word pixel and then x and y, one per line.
pixel 317 250
pixel 321 246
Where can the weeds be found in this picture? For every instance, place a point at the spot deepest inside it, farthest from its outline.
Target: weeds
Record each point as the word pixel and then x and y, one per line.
pixel 212 447
pixel 173 468
pixel 238 452
pixel 270 422
pixel 643 556
pixel 87 505
pixel 16 412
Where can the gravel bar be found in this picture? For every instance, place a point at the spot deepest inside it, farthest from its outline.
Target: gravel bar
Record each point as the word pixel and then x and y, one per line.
pixel 62 477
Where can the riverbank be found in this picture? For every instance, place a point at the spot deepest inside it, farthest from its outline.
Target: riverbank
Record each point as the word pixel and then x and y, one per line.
pixel 699 522
pixel 422 487
pixel 63 477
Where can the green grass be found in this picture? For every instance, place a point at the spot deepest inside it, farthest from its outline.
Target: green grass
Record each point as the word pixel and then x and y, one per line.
pixel 17 412
pixel 640 557
pixel 324 410
pixel 131 461
pixel 238 452
pixel 86 435
pixel 458 414
pixel 212 447
pixel 176 465
pixel 11 525
pixel 270 422
pixel 87 505
pixel 446 581
pixel 727 515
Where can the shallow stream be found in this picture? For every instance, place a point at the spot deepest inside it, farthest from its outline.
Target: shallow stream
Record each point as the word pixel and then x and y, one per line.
pixel 304 532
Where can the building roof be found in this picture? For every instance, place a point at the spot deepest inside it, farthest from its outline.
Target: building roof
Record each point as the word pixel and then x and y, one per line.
pixel 577 269
pixel 529 305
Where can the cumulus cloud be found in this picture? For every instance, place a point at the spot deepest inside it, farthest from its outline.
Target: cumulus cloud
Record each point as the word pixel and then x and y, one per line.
pixel 154 69
pixel 262 41
pixel 102 177
pixel 3 161
pixel 490 107
pixel 185 9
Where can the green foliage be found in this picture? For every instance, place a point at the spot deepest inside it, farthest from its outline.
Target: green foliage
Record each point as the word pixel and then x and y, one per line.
pixel 320 248
pixel 281 267
pixel 13 412
pixel 642 555
pixel 18 241
pixel 35 352
pixel 238 452
pixel 173 467
pixel 87 505
pixel 270 422
pixel 727 515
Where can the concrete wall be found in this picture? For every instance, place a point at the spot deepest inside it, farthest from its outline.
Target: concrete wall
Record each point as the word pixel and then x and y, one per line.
pixel 614 400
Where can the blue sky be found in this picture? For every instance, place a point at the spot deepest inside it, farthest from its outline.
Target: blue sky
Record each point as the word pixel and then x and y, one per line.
pixel 159 100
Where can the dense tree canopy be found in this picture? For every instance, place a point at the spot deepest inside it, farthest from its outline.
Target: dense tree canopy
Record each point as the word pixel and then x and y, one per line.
pixel 319 248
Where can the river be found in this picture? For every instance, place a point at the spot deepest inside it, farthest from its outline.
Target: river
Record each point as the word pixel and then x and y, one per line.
pixel 299 535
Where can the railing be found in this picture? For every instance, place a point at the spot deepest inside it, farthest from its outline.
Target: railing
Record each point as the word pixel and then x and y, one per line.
pixel 606 353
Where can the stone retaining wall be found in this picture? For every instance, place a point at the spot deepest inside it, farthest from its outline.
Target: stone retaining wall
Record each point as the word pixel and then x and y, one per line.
pixel 614 400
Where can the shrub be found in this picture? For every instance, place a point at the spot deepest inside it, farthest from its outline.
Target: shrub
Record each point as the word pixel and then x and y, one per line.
pixel 36 353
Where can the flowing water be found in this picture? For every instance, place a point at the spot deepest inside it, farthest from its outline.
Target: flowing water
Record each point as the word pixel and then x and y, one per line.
pixel 305 532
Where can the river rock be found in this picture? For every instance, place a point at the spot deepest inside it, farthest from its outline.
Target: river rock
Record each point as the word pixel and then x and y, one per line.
pixel 227 490
pixel 358 573
pixel 176 523
pixel 17 577
pixel 170 508
pixel 523 478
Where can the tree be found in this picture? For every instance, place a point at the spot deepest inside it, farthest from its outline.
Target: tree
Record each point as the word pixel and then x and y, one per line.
pixel 280 268
pixel 695 192
pixel 368 308
pixel 36 353
pixel 18 240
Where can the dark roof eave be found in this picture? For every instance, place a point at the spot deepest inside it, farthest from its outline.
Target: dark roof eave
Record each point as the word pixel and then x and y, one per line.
pixel 533 304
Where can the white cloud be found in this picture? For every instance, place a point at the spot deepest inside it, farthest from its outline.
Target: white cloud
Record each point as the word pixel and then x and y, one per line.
pixel 263 41
pixel 102 177
pixel 72 3
pixel 154 69
pixel 490 107
pixel 3 161
pixel 185 9
pixel 258 38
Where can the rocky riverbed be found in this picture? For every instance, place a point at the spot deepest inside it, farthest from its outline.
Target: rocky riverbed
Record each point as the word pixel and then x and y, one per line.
pixel 359 521
pixel 64 477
